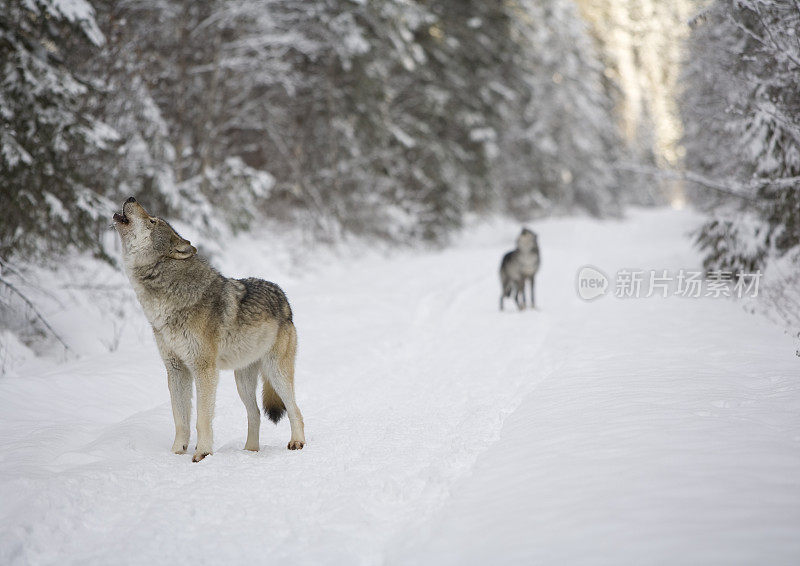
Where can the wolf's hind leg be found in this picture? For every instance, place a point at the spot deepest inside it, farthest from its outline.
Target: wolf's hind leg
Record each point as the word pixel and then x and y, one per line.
pixel 246 385
pixel 279 373
pixel 506 292
pixel 179 380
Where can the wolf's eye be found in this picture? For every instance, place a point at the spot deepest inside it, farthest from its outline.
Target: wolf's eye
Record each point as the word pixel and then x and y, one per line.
pixel 152 221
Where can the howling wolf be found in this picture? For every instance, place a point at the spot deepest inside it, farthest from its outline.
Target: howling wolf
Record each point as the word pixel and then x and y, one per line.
pixel 519 266
pixel 204 322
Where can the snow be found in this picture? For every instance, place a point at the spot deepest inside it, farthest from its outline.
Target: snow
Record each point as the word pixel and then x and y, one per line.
pixel 76 11
pixel 439 430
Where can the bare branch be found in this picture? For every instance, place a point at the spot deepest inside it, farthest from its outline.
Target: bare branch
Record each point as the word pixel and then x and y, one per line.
pixel 727 188
pixel 7 266
pixel 35 311
pixel 775 44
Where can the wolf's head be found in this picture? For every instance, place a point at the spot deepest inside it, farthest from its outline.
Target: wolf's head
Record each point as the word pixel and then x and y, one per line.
pixel 147 239
pixel 527 241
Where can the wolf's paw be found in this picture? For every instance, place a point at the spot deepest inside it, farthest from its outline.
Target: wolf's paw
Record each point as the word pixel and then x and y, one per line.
pixel 296 444
pixel 199 456
pixel 179 448
pixel 251 448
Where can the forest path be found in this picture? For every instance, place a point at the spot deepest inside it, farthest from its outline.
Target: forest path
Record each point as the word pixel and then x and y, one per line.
pixel 439 430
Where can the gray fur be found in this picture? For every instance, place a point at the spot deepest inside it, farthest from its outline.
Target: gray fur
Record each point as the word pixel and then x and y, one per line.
pixel 204 322
pixel 518 268
pixel 263 296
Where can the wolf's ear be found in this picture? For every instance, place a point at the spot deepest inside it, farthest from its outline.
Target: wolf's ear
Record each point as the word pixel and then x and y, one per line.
pixel 182 249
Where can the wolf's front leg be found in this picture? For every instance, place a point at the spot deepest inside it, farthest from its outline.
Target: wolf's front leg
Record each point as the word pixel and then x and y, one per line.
pixel 206 378
pixel 520 296
pixel 179 380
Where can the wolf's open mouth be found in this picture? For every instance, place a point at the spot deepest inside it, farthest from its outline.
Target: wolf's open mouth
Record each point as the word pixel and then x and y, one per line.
pixel 121 218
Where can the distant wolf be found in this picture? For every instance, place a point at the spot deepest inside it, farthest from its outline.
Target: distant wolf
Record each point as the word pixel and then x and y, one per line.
pixel 518 267
pixel 204 322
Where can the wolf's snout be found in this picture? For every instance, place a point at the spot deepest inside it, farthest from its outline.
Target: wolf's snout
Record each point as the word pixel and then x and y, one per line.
pixel 123 218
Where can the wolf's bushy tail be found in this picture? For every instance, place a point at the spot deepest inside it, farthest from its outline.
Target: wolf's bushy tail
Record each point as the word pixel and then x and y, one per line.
pixel 279 371
pixel 273 405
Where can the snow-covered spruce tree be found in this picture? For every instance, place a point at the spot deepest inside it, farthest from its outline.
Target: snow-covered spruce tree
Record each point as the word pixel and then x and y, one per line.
pixel 426 112
pixel 363 148
pixel 742 121
pixel 48 196
pixel 208 74
pixel 464 95
pixel 392 118
pixel 742 114
pixel 142 160
pixel 426 166
pixel 327 137
pixel 558 144
pixel 354 136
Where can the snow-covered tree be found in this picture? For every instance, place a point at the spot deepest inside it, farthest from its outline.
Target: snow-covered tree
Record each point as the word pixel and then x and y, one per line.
pixel 200 83
pixel 392 118
pixel 429 111
pixel 558 151
pixel 742 114
pixel 48 195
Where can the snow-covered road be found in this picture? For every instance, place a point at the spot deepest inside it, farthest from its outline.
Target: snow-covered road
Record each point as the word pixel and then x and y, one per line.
pixel 639 431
